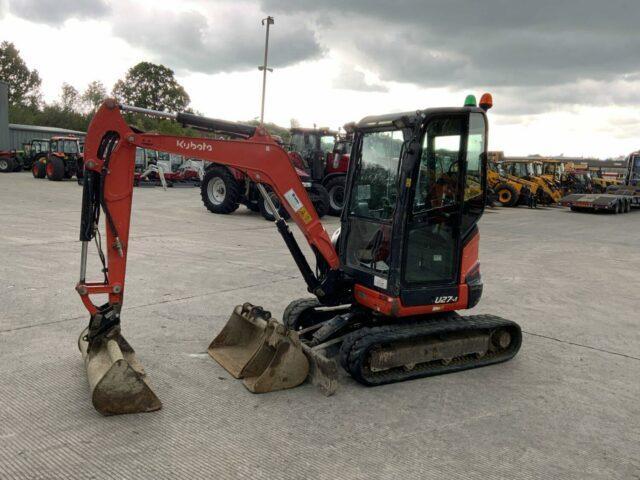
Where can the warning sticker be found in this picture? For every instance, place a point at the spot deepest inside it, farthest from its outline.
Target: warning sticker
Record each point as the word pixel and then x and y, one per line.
pixel 380 282
pixel 305 215
pixel 293 200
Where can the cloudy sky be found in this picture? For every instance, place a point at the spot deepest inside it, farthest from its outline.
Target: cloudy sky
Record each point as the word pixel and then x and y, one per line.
pixel 565 74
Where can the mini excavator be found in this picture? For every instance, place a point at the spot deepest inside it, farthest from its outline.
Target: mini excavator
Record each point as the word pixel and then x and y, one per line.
pixel 386 286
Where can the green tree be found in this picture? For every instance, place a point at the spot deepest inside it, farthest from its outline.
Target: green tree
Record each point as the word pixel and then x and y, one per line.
pixel 69 98
pixel 148 85
pixel 24 84
pixel 94 95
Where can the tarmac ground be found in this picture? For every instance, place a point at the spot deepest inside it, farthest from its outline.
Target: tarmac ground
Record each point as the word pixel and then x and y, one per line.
pixel 567 407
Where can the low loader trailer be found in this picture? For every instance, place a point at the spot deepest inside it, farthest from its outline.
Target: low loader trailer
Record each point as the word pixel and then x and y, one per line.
pixel 601 202
pixel 617 199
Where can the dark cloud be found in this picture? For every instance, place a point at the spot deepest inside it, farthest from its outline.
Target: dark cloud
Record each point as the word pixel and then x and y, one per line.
pixel 468 43
pixel 542 99
pixel 351 79
pixel 214 44
pixel 55 12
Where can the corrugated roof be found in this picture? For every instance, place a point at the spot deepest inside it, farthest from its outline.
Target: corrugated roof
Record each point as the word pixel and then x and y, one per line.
pixel 36 128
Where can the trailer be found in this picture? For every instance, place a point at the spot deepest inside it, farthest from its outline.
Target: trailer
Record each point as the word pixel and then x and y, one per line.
pixel 600 202
pixel 617 199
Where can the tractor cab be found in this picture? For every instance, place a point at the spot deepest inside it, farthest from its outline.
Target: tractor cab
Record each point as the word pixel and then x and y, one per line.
pixel 417 189
pixel 66 146
pixel 313 145
pixel 36 146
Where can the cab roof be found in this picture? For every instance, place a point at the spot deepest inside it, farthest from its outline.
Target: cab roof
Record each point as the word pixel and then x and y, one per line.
pixel 408 118
pixel 64 137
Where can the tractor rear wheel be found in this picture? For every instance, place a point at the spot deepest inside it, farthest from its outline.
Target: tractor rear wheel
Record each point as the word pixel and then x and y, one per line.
pixel 54 169
pixel 336 190
pixel 35 170
pixel 265 209
pixel 7 164
pixel 219 190
pixel 507 195
pixel 320 199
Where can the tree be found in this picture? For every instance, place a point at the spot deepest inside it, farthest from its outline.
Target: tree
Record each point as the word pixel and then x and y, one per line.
pixel 148 85
pixel 69 98
pixel 24 84
pixel 94 95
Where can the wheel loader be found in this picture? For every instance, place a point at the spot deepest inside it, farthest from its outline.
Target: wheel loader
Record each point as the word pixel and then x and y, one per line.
pixel 545 191
pixel 509 190
pixel 387 287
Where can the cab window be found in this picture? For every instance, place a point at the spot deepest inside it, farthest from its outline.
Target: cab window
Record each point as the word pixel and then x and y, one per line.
pixel 326 143
pixel 437 182
pixel 475 151
pixel 376 183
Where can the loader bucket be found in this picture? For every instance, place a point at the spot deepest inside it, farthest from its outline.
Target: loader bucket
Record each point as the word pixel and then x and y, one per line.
pixel 117 382
pixel 256 348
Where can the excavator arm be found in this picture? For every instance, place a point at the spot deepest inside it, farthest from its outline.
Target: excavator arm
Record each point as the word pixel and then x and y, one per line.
pixel 108 187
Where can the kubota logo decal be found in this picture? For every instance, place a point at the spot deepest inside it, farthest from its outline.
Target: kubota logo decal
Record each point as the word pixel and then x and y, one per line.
pixel 191 145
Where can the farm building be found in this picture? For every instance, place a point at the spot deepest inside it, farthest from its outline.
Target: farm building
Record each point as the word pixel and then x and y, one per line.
pixel 21 134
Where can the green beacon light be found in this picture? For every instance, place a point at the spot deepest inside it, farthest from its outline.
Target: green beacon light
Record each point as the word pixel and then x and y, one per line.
pixel 470 101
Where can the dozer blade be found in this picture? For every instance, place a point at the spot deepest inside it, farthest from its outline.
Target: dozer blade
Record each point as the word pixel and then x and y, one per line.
pixel 261 351
pixel 117 382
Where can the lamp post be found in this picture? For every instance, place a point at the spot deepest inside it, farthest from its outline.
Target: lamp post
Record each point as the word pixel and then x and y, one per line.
pixel 268 21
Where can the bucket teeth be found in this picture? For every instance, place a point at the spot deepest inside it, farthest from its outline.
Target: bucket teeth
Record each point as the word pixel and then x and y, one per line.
pixel 256 348
pixel 117 382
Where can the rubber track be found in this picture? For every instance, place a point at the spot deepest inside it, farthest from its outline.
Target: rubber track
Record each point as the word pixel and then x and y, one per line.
pixel 356 346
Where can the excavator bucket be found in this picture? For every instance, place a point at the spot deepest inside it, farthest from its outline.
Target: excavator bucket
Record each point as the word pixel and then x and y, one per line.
pixel 117 382
pixel 256 348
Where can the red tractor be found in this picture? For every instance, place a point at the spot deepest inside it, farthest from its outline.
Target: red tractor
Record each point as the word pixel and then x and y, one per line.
pixel 224 188
pixel 325 156
pixel 64 160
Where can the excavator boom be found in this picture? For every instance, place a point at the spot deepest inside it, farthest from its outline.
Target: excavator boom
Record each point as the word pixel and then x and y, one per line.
pixel 109 162
pixel 108 187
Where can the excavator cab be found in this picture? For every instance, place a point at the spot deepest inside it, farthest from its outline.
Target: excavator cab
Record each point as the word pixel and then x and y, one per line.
pixel 417 187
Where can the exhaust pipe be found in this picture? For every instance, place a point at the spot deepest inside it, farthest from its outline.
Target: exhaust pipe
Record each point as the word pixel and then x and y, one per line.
pixel 117 382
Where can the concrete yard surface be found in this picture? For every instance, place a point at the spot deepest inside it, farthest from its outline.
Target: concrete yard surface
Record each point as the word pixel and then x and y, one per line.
pixel 567 407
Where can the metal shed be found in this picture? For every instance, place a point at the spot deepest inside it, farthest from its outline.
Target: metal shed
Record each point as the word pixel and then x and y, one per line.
pixel 20 134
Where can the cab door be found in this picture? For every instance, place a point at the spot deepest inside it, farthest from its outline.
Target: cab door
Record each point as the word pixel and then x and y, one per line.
pixel 448 198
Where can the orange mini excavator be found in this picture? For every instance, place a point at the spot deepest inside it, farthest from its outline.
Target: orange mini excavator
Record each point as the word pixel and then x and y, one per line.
pixel 386 287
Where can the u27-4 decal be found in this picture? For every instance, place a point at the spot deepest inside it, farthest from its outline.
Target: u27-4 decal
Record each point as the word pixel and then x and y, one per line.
pixel 446 299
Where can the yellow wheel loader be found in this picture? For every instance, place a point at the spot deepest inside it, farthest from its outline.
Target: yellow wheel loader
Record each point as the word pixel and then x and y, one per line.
pixel 509 191
pixel 545 191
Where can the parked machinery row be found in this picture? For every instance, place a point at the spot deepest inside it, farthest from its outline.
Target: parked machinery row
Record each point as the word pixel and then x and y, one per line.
pixel 522 182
